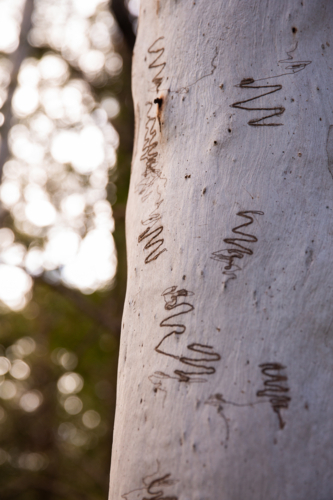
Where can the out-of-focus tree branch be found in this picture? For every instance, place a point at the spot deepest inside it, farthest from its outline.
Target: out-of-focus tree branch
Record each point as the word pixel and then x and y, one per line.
pixel 17 58
pixel 122 16
pixel 85 306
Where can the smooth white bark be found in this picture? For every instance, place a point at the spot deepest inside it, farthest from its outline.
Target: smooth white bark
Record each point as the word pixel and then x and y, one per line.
pixel 225 369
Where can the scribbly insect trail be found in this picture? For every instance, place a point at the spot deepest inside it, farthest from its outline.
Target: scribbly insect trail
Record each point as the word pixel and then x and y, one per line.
pixel 329 149
pixel 155 253
pixel 157 380
pixel 275 111
pixel 145 188
pixel 294 67
pixel 152 173
pixel 185 90
pixel 149 155
pixel 236 249
pixel 175 299
pixel 218 401
pixel 247 83
pixel 275 388
pixel 157 64
pixel 153 487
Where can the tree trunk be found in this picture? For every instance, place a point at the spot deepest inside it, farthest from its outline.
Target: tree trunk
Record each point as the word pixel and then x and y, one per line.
pixel 225 369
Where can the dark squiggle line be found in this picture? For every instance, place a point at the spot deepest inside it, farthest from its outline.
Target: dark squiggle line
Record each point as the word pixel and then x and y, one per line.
pixel 164 376
pixel 158 482
pixel 277 110
pixel 204 370
pixel 149 156
pixel 157 80
pixel 217 400
pixel 146 234
pixel 150 175
pixel 159 495
pixel 184 90
pixel 206 350
pixel 274 386
pixel 228 255
pixel 293 68
pixel 154 216
pixel 158 385
pixel 148 153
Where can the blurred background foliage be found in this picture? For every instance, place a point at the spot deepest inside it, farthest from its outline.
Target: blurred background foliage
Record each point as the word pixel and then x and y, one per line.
pixel 66 125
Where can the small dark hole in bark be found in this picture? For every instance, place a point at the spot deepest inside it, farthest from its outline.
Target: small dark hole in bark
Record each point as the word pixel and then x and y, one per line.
pixel 229 130
pixel 158 101
pixel 293 29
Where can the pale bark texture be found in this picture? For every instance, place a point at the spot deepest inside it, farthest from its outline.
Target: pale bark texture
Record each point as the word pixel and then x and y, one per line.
pixel 225 385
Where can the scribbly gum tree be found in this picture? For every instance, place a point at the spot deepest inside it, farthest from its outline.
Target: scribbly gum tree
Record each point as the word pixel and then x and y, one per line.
pixel 225 369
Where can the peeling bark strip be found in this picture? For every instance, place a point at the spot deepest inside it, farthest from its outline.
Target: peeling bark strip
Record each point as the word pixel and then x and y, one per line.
pixel 202 383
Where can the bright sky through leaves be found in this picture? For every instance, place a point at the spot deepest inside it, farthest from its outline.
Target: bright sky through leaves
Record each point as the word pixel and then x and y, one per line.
pixel 63 148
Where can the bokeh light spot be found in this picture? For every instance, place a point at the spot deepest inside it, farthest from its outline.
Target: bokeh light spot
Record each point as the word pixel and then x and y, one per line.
pixel 5 365
pixel 15 284
pixel 30 401
pixel 32 461
pixel 91 419
pixel 10 193
pixel 41 213
pixel 73 405
pixel 6 237
pixel 111 106
pixel 13 255
pixel 70 383
pixel 9 33
pixel 8 390
pixel 53 68
pixel 87 8
pixel 20 370
pixel 25 100
pixel 25 346
pixel 34 261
